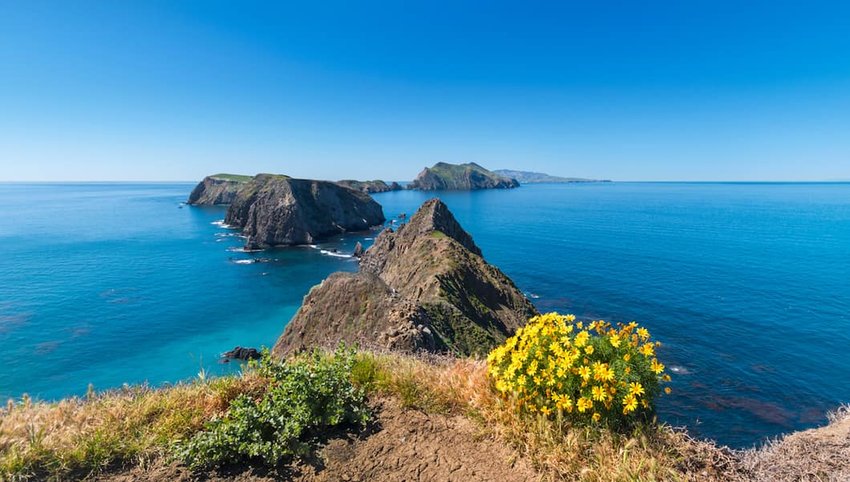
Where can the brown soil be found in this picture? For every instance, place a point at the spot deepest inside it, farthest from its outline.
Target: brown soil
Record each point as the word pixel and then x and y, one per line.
pixel 403 445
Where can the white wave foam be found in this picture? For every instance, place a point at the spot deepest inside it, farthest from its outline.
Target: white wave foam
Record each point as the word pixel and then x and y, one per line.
pixel 220 223
pixel 243 261
pixel 337 255
pixel 236 249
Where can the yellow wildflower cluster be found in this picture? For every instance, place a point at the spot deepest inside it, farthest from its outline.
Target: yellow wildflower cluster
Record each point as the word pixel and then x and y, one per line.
pixel 590 372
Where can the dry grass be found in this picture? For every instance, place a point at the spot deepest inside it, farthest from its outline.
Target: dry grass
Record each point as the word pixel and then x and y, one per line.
pixel 137 426
pixel 561 453
pixel 817 455
pixel 77 437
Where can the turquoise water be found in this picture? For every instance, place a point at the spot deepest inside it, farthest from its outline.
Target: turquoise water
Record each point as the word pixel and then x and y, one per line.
pixel 746 284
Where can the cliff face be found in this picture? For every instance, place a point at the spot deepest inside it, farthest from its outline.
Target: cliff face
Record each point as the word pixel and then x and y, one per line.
pixel 425 286
pixel 370 186
pixel 217 189
pixel 277 210
pixel 466 177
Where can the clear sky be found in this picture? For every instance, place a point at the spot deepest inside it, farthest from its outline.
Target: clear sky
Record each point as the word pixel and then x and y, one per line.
pixel 640 90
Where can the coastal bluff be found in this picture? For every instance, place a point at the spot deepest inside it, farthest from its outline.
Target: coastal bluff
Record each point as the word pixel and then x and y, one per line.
pixel 443 176
pixel 217 189
pixel 425 287
pixel 275 210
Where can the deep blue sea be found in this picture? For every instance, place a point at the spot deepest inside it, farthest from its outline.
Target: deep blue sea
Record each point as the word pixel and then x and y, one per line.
pixel 747 286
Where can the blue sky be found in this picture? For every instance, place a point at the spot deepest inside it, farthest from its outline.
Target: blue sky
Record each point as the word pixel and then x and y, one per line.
pixel 678 90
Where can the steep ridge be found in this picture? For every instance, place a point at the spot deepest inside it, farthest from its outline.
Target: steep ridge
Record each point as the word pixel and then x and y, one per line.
pixel 423 287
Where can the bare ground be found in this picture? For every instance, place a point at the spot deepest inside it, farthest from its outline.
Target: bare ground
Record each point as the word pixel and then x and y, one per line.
pixel 403 445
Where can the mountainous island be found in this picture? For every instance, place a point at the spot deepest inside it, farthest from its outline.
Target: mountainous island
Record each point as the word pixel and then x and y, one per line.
pixel 276 210
pixel 529 177
pixel 443 176
pixel 422 287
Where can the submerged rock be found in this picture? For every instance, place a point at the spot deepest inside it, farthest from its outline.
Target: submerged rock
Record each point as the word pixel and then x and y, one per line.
pixel 358 250
pixel 462 177
pixel 422 287
pixel 275 210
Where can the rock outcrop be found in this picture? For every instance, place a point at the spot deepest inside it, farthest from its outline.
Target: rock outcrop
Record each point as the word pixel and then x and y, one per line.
pixel 217 189
pixel 423 287
pixel 370 187
pixel 275 210
pixel 460 177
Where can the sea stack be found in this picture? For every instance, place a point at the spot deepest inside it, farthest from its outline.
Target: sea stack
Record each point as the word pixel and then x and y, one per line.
pixel 275 210
pixel 423 287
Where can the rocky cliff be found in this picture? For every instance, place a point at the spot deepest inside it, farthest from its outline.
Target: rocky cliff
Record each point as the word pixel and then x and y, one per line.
pixel 370 187
pixel 217 189
pixel 423 287
pixel 275 210
pixel 470 176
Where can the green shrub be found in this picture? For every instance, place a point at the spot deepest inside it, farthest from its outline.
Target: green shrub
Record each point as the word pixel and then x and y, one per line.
pixel 305 397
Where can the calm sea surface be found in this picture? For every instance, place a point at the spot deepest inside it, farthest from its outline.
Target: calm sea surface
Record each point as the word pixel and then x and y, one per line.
pixel 747 286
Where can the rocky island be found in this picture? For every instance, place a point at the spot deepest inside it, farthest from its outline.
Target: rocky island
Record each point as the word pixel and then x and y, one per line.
pixel 529 177
pixel 423 287
pixel 217 189
pixel 370 187
pixel 460 177
pixel 277 210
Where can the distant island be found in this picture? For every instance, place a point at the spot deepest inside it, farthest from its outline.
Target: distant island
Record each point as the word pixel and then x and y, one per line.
pixel 370 187
pixel 529 177
pixel 443 176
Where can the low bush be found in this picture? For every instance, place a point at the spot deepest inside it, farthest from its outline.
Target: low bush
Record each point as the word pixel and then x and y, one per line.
pixel 591 373
pixel 305 397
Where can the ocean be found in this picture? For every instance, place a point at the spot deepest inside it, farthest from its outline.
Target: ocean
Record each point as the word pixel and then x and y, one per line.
pixel 747 285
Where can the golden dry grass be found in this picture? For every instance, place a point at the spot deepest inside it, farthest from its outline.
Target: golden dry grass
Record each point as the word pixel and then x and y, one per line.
pixel 139 426
pixel 76 437
pixel 559 452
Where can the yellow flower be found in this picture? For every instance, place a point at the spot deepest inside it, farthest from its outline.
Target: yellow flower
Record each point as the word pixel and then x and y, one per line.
pixel 627 357
pixel 668 390
pixel 656 367
pixel 629 403
pixel 596 417
pixel 584 404
pixel 589 349
pixel 647 349
pixel 545 410
pixel 584 372
pixel 643 333
pixel 598 393
pixel 615 340
pixel 636 389
pixel 581 339
pixel 666 378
